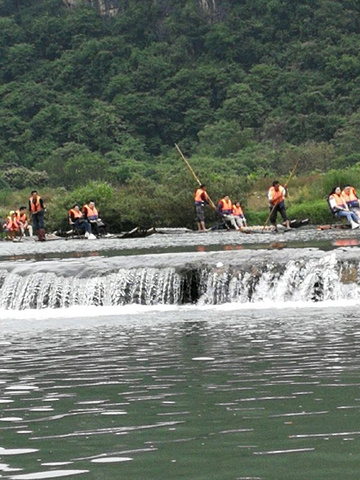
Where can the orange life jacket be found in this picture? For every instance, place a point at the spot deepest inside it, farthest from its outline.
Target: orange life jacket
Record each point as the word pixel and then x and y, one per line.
pixel 237 211
pixel 276 197
pixel 351 197
pixel 74 213
pixel 21 217
pixel 11 223
pixel 91 213
pixel 226 206
pixel 198 197
pixel 35 206
pixel 339 200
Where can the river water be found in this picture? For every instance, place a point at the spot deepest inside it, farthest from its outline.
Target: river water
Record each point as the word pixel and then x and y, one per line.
pixel 255 375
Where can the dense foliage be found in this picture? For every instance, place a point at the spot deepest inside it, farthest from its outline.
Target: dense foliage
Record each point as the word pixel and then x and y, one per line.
pixel 245 88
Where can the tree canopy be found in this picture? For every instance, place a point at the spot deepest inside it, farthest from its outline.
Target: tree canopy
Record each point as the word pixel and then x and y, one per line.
pixel 85 97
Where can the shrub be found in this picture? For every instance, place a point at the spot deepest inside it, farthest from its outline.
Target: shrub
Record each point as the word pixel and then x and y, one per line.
pixel 22 177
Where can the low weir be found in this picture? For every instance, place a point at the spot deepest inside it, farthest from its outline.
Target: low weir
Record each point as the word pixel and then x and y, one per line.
pixel 247 277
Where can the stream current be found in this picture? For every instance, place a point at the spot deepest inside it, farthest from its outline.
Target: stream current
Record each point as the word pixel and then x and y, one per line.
pixel 194 356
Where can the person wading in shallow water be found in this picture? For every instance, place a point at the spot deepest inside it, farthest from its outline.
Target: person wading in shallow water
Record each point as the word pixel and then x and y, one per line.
pixel 37 209
pixel 276 197
pixel 201 199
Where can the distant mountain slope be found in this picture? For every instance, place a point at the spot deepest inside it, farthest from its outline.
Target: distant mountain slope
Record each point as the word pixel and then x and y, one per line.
pixel 248 85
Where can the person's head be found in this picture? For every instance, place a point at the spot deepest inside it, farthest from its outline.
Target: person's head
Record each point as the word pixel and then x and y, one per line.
pixel 226 197
pixel 12 213
pixel 202 186
pixel 347 189
pixel 92 203
pixel 22 209
pixel 34 193
pixel 338 190
pixel 276 185
pixel 76 207
pixel 238 204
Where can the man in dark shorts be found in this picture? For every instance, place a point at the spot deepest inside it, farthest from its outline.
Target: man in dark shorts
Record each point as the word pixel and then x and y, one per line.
pixel 276 196
pixel 201 199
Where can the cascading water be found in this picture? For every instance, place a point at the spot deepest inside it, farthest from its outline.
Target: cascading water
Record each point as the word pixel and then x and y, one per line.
pixel 179 280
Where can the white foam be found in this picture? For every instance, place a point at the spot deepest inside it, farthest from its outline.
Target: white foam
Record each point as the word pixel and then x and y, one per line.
pixel 112 459
pixel 22 387
pixel 120 412
pixel 41 409
pixel 17 451
pixel 10 419
pixel 52 474
pixel 203 359
pixel 32 317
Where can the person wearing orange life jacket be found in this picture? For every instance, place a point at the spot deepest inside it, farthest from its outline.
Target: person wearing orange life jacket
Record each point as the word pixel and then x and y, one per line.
pixel 23 221
pixel 225 210
pixel 11 227
pixel 276 198
pixel 239 215
pixel 77 219
pixel 201 198
pixel 340 208
pixel 352 200
pixel 92 216
pixel 37 210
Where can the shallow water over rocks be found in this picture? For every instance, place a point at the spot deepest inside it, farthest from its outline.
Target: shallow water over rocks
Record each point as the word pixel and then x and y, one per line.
pixel 190 242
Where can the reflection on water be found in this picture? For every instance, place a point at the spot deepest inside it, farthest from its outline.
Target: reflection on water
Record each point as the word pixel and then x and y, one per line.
pixel 346 242
pixel 190 394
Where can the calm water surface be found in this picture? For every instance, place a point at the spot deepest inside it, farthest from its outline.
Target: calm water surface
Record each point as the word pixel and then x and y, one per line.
pixel 182 393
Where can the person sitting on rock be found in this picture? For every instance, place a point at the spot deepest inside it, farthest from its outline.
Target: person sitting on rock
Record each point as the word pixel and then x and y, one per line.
pixel 91 214
pixel 12 226
pixel 76 219
pixel 225 210
pixel 340 208
pixel 352 200
pixel 22 218
pixel 239 215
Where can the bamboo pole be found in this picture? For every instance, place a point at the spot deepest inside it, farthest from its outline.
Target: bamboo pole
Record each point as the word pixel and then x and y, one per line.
pixel 194 174
pixel 287 184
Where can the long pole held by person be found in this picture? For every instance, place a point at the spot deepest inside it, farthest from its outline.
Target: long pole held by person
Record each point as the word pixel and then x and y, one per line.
pixel 287 184
pixel 193 173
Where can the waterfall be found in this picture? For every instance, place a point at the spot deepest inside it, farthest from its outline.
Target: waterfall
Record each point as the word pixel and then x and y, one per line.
pixel 310 278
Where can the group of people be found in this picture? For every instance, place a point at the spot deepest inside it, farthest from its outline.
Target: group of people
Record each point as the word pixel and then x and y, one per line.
pixel 84 221
pixel 345 204
pixel 233 214
pixel 18 223
pixel 226 209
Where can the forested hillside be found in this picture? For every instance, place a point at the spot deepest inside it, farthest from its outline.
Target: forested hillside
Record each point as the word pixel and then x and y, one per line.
pixel 245 87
